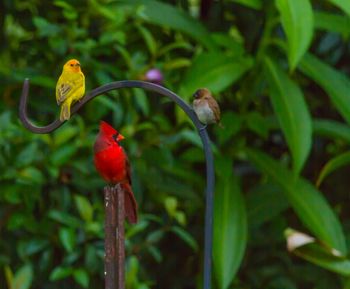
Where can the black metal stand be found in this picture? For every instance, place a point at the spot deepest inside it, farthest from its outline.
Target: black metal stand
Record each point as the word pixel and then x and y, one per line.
pixel 208 232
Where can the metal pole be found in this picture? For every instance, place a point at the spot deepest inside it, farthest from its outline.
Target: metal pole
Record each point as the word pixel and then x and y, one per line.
pixel 209 208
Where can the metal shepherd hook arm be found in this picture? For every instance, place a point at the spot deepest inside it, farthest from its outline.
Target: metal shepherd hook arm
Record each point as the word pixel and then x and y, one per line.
pixel 208 233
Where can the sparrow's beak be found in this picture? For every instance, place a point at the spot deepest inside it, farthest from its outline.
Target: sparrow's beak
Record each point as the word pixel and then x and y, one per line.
pixel 196 95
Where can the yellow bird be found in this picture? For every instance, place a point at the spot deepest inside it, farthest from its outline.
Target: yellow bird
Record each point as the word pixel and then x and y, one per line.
pixel 70 87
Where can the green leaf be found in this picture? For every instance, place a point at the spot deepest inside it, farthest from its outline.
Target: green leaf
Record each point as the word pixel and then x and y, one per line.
pixel 17 220
pixel 81 277
pixel 186 237
pixel 163 14
pixel 45 28
pixel 33 246
pixel 297 21
pixel 68 11
pixel 155 236
pixel 27 155
pixel 332 165
pixel 149 39
pixel 333 22
pixel 336 84
pixel 230 228
pixel 63 154
pixel 257 123
pixel 64 134
pixel 177 63
pixel 232 123
pixel 229 41
pixel 156 253
pixel 292 113
pixel 92 261
pixel 84 207
pixel 137 228
pixel 60 273
pixel 95 228
pixel 23 278
pixel 68 239
pixel 178 44
pixel 170 204
pixel 132 270
pixel 264 203
pixel 192 137
pixel 13 194
pixel 217 74
pixel 141 101
pixel 342 4
pixel 64 218
pixel 30 175
pixel 180 217
pixel 308 203
pixel 331 129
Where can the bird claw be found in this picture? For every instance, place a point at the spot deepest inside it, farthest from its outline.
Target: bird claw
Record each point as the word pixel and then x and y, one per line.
pixel 203 127
pixel 117 187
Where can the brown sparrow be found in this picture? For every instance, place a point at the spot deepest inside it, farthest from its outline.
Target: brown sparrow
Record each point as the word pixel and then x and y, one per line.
pixel 206 107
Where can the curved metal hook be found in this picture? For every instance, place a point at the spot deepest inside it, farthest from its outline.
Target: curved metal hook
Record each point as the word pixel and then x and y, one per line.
pixel 208 233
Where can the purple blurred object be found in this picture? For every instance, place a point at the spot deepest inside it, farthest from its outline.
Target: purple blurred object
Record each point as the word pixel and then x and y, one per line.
pixel 154 75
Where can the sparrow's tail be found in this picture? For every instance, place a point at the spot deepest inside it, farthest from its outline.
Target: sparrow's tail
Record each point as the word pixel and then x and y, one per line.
pixel 65 111
pixel 130 204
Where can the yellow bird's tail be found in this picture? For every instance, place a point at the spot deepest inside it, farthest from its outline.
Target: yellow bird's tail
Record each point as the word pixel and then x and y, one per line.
pixel 65 111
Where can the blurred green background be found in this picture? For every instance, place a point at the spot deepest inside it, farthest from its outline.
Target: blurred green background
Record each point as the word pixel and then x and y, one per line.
pixel 280 71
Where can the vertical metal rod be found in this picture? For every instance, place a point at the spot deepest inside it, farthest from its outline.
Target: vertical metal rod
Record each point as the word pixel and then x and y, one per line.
pixel 209 208
pixel 114 237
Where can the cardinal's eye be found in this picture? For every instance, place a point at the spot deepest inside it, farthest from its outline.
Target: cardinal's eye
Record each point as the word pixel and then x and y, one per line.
pixel 115 137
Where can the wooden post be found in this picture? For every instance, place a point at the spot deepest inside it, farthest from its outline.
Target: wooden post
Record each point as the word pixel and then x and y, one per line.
pixel 114 237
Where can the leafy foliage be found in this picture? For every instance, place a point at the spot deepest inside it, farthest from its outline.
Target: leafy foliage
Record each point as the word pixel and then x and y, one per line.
pixel 280 72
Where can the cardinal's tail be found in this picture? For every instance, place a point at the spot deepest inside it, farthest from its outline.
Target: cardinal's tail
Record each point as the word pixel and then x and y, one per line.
pixel 130 204
pixel 65 111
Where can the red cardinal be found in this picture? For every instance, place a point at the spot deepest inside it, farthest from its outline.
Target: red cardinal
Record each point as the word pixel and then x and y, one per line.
pixel 113 165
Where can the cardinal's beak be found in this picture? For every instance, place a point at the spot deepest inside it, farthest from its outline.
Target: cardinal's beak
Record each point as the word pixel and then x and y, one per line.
pixel 120 137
